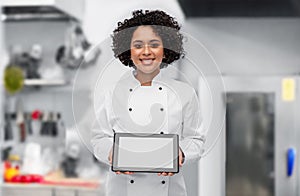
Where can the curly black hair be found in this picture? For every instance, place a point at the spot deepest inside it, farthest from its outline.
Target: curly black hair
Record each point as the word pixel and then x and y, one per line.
pixel 163 25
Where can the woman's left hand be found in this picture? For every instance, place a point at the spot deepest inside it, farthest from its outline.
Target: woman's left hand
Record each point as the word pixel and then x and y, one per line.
pixel 180 154
pixel 110 161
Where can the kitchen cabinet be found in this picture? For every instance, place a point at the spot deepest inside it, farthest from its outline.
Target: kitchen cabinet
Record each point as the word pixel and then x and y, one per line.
pixel 22 190
pixel 48 190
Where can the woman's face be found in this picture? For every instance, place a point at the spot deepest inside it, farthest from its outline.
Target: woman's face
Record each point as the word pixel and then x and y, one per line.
pixel 146 50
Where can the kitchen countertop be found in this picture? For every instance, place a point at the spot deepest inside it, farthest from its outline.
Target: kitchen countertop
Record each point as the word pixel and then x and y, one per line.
pixel 56 179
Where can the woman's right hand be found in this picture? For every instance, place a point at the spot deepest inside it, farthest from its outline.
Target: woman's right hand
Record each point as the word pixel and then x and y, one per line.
pixel 110 161
pixel 110 156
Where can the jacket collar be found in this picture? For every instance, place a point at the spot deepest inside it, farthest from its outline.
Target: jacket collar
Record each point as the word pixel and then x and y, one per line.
pixel 157 79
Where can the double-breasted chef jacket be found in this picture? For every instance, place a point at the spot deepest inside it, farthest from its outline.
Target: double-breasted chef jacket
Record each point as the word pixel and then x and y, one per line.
pixel 167 106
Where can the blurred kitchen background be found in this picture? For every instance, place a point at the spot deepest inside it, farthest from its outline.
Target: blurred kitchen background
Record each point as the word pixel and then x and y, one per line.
pixel 255 43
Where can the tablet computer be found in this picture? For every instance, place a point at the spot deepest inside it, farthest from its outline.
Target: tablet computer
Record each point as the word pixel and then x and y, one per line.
pixel 140 152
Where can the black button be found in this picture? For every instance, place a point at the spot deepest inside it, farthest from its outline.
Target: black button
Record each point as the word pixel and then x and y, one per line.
pixel 163 182
pixel 160 88
pixel 161 132
pixel 161 109
pixel 130 109
pixel 130 90
pixel 131 181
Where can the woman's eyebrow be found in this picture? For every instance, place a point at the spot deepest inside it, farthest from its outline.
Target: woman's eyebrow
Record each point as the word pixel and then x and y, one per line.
pixel 140 41
pixel 137 41
pixel 155 40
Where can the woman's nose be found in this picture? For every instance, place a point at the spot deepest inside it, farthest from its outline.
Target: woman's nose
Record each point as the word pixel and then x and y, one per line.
pixel 146 50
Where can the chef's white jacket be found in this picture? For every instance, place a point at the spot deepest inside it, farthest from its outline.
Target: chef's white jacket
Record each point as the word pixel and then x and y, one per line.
pixel 167 106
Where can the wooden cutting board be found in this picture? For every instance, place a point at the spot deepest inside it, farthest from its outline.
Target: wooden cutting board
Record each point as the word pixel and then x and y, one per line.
pixel 57 178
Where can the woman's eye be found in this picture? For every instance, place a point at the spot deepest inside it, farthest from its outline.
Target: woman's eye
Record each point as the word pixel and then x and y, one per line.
pixel 155 45
pixel 152 45
pixel 138 46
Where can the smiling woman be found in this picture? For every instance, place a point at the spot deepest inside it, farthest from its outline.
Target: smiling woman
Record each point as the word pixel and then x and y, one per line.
pixel 145 101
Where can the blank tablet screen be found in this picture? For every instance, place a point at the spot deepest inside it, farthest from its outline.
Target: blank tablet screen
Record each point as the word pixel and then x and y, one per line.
pixel 145 153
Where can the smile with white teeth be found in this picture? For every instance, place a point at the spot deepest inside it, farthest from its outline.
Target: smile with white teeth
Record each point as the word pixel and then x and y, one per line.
pixel 147 61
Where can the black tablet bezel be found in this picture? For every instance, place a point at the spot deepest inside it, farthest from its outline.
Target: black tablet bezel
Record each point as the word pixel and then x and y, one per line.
pixel 175 168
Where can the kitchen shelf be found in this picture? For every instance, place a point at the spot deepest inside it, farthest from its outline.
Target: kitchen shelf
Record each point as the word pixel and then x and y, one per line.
pixel 45 82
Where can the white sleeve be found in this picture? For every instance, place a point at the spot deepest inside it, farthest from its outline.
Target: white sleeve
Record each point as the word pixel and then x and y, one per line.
pixel 102 132
pixel 192 136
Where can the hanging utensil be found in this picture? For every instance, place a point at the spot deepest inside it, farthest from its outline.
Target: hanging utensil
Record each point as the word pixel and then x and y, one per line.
pixel 20 120
pixel 28 123
pixel 44 126
pixel 36 116
pixel 8 132
pixel 54 125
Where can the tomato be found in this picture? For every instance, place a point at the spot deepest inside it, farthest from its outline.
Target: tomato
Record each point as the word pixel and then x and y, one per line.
pixel 16 179
pixel 26 178
pixel 37 178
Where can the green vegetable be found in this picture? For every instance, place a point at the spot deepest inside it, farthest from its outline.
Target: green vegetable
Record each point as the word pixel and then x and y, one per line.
pixel 13 79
